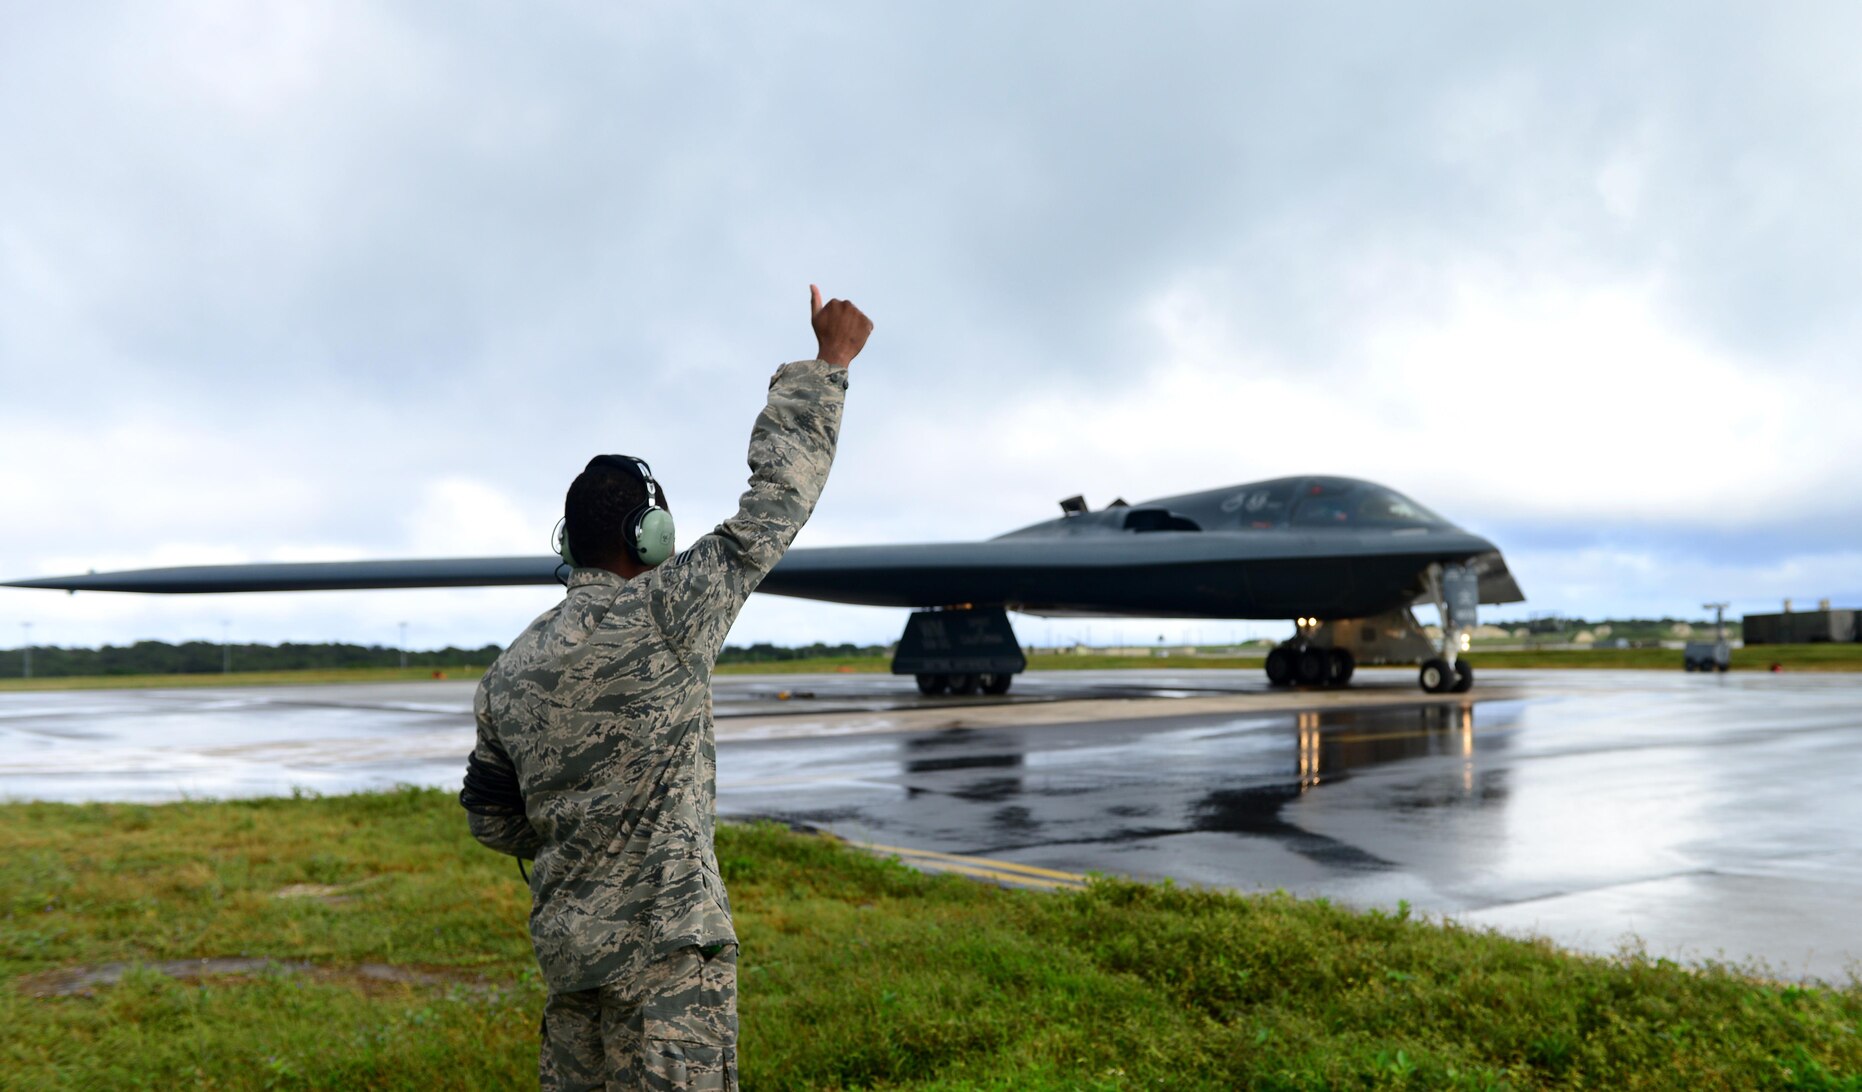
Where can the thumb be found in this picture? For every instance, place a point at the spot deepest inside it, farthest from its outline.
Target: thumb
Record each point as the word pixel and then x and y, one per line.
pixel 814 300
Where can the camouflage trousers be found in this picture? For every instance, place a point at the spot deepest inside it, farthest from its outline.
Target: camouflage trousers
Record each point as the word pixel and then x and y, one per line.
pixel 673 1028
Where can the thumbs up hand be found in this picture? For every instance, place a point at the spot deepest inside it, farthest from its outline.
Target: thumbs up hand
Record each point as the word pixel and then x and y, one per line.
pixel 840 328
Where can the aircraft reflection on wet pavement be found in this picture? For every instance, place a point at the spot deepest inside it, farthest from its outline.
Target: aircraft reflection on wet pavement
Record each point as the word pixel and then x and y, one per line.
pixel 995 791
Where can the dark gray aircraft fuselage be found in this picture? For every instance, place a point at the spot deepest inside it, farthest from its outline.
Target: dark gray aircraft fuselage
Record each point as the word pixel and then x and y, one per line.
pixel 1279 573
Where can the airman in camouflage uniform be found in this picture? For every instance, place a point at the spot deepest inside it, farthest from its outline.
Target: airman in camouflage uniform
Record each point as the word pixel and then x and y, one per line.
pixel 600 712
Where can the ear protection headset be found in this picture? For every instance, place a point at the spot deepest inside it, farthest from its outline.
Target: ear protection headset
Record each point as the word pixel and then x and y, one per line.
pixel 646 530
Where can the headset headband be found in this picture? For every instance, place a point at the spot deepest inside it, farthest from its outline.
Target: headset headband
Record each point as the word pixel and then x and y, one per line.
pixel 627 464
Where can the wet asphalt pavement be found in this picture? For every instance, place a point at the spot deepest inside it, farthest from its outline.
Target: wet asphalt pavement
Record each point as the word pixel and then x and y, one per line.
pixel 1708 816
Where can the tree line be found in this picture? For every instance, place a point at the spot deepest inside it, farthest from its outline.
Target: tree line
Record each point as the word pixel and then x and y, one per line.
pixel 202 657
pixel 764 653
pixel 205 657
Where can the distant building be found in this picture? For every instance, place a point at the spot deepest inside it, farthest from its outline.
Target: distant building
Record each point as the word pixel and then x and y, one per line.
pixel 1801 627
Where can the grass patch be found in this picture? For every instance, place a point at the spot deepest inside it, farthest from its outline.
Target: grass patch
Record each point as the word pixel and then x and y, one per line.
pixel 1069 661
pixel 1818 657
pixel 856 973
pixel 814 665
pixel 305 677
pixel 1759 658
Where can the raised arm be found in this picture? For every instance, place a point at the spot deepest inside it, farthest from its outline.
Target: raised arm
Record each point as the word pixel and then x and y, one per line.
pixel 791 449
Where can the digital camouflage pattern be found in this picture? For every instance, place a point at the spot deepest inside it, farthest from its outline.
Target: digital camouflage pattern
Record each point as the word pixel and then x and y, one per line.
pixel 602 708
pixel 675 1028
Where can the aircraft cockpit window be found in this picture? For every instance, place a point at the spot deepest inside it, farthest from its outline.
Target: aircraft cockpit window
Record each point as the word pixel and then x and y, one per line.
pixel 1387 506
pixel 1331 505
pixel 1323 512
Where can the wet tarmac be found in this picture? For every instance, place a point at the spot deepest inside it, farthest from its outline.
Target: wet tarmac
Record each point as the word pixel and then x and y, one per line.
pixel 1701 816
pixel 155 745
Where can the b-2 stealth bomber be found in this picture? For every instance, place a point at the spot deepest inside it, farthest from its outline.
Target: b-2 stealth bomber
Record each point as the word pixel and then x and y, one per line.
pixel 1346 559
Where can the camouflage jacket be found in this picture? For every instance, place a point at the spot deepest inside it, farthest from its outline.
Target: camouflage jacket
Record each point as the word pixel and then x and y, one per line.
pixel 602 708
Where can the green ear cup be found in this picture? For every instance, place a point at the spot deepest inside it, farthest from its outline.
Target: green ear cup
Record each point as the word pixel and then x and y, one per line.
pixel 653 539
pixel 646 530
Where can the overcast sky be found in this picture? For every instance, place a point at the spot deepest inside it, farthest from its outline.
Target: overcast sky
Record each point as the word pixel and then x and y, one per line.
pixel 284 282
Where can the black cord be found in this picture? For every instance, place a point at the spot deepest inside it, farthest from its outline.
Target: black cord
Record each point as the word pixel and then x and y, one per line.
pixel 558 539
pixel 520 870
pixel 490 790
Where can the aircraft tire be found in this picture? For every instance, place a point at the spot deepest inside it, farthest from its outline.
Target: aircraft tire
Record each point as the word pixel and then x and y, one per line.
pixel 1435 676
pixel 932 685
pixel 1312 667
pixel 1279 667
pixel 997 683
pixel 1343 665
pixel 1464 677
pixel 964 685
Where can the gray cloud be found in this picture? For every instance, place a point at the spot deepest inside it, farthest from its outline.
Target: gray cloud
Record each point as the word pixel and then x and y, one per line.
pixel 269 281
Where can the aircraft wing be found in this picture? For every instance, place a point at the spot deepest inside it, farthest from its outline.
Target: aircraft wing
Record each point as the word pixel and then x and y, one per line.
pixel 883 571
pixel 447 572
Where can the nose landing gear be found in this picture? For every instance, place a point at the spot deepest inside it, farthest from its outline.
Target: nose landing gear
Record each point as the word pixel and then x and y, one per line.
pixel 1457 593
pixel 1438 676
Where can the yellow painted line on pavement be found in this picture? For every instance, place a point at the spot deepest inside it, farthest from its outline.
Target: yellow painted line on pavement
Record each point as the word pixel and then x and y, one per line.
pixel 957 862
pixel 1013 879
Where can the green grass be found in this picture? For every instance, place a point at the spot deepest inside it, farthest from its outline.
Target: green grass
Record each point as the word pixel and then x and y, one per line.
pixel 1820 657
pixel 856 973
pixel 240 678
pixel 1068 661
pixel 1040 661
pixel 820 665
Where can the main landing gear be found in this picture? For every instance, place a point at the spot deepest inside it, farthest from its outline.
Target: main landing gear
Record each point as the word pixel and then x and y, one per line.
pixel 1301 662
pixel 960 651
pixel 931 684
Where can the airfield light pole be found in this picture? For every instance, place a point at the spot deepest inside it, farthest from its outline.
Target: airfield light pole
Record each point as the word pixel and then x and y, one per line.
pixel 404 644
pixel 1719 618
pixel 226 648
pixel 25 652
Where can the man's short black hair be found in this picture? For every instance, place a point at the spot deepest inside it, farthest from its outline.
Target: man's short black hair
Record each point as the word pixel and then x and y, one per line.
pixel 596 509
